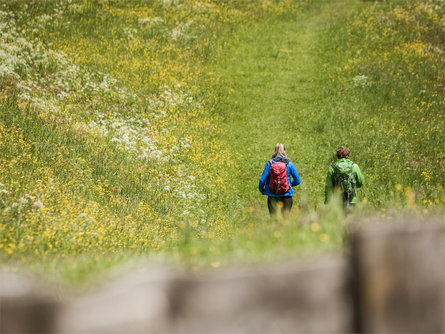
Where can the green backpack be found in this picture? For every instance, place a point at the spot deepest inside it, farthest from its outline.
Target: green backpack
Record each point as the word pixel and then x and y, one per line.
pixel 344 178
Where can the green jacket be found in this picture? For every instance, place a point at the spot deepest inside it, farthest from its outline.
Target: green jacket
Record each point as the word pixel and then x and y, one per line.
pixel 330 185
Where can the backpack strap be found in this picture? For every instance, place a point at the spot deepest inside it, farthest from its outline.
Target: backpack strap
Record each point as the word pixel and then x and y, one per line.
pixel 334 175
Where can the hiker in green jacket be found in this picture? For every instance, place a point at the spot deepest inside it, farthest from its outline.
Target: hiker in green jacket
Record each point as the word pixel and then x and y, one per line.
pixel 344 176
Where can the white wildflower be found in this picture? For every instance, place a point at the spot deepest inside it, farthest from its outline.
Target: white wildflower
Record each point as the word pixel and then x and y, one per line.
pixel 4 192
pixel 144 20
pixel 361 81
pixel 37 205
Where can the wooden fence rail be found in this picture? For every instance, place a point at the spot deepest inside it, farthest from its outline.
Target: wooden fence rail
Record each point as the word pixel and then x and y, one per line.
pixel 392 280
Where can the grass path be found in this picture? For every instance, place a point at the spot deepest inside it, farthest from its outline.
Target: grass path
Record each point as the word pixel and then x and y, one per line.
pixel 273 90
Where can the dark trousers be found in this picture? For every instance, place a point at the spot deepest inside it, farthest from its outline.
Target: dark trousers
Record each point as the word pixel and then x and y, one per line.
pixel 276 203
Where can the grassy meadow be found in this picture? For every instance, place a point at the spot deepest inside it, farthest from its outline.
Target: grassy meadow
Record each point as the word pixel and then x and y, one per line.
pixel 139 129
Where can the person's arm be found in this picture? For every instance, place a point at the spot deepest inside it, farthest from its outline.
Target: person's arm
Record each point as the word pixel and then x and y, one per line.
pixel 329 187
pixel 295 177
pixel 359 178
pixel 264 177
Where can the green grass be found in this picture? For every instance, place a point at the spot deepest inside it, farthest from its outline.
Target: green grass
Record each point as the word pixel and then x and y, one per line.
pixel 136 130
pixel 289 86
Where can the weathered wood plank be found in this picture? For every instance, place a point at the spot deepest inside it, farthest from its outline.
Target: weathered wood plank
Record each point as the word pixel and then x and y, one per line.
pixel 292 299
pixel 306 299
pixel 137 302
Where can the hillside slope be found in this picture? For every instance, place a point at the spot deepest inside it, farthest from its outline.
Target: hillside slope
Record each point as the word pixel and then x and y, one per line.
pixel 136 129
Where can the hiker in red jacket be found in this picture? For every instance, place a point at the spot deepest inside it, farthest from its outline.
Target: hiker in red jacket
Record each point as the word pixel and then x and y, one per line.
pixel 276 183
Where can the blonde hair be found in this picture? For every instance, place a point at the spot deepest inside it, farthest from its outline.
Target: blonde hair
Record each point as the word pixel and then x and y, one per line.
pixel 279 150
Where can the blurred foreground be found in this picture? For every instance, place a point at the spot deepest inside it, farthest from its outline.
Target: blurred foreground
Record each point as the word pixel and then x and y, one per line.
pixel 391 280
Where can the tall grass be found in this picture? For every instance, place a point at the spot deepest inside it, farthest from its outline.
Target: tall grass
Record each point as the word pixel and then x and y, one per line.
pixel 386 64
pixel 135 129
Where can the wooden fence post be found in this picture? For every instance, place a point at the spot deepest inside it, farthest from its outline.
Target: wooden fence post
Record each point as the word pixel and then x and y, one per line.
pixel 24 308
pixel 399 278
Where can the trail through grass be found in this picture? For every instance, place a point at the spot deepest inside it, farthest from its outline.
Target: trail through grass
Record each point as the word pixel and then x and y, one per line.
pixel 297 81
pixel 273 83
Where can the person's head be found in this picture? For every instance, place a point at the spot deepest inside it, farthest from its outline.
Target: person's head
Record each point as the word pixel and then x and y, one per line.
pixel 279 150
pixel 343 152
